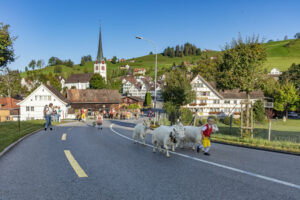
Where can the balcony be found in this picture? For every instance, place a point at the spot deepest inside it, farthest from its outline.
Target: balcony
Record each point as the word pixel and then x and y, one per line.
pixel 214 113
pixel 269 104
pixel 202 104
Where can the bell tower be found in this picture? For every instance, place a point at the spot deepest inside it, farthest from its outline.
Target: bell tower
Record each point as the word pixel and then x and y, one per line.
pixel 100 66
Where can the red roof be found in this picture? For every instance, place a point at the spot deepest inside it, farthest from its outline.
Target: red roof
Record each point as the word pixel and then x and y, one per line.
pixel 8 103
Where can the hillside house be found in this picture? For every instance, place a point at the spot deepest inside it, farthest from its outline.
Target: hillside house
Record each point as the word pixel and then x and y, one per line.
pixel 32 106
pixel 210 101
pixel 139 71
pixel 79 81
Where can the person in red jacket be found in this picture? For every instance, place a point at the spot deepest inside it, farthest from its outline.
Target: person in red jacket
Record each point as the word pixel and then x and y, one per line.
pixel 206 130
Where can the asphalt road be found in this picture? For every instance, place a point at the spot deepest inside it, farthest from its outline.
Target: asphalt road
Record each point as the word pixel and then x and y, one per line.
pixel 38 168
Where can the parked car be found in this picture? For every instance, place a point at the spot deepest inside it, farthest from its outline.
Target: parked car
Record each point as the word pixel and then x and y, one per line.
pixel 292 114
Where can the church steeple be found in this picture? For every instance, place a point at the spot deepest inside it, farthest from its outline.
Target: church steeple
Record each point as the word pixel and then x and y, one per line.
pixel 100 52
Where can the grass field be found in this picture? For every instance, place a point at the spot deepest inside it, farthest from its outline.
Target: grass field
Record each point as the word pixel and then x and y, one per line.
pixel 282 54
pixel 281 131
pixel 9 131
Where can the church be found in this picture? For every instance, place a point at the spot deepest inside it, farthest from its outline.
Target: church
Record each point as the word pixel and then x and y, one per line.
pixel 81 81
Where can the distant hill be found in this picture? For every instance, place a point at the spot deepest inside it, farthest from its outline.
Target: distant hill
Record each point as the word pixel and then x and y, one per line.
pixel 281 54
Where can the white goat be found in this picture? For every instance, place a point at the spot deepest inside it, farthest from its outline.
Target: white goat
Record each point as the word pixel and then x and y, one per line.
pixel 140 131
pixel 165 136
pixel 192 134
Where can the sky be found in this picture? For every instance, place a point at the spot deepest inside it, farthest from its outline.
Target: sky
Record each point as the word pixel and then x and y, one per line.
pixel 69 29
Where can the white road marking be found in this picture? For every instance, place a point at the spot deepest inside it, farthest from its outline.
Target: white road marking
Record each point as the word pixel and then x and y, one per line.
pixel 220 165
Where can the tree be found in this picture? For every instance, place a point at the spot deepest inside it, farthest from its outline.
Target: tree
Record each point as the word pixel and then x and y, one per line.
pixel 207 69
pixel 32 64
pixel 177 92
pixel 148 99
pixel 292 75
pixel 97 82
pixel 297 36
pixel 286 98
pixel 82 62
pixel 198 52
pixel 151 53
pixel 6 46
pixel 242 68
pixel 26 69
pixel 177 51
pixel 10 83
pixel 40 63
pixel 57 69
pixel 259 111
pixel 68 63
pixel 285 37
pixel 114 60
pixel 52 61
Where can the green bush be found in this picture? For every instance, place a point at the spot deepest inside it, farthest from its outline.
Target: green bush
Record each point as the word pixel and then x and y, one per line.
pixel 237 121
pixel 226 120
pixel 186 116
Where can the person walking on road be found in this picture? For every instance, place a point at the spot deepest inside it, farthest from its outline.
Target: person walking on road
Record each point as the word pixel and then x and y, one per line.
pixel 99 120
pixel 206 130
pixel 48 112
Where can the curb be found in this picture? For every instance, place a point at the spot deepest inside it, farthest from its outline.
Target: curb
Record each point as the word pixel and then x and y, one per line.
pixel 256 148
pixel 7 149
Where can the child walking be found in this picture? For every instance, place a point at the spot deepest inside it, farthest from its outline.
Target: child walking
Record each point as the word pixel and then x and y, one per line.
pixel 206 130
pixel 99 120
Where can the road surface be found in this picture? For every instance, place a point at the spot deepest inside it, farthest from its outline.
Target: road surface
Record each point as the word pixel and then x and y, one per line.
pixel 76 161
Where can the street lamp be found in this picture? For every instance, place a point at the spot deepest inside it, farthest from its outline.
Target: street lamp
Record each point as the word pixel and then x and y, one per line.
pixel 155 51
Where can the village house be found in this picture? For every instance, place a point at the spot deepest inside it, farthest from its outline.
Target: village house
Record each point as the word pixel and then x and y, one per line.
pixel 128 100
pixel 210 101
pixel 124 67
pixel 139 71
pixel 94 99
pixel 136 86
pixel 28 83
pixel 62 81
pixel 32 106
pixel 9 110
pixel 275 73
pixel 79 81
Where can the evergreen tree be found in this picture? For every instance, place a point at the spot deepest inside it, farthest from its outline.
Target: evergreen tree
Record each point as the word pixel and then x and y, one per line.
pixel 177 51
pixel 114 60
pixel 259 111
pixel 32 64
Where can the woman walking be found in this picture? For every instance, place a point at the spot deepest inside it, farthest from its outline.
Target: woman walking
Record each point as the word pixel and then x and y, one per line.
pixel 99 120
pixel 48 112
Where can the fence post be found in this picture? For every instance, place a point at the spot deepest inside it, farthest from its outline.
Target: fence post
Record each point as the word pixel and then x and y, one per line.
pixel 269 130
pixel 230 124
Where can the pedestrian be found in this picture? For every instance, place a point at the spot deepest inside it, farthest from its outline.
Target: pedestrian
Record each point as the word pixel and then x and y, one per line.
pixel 206 131
pixel 83 116
pixel 48 112
pixel 59 114
pixel 99 120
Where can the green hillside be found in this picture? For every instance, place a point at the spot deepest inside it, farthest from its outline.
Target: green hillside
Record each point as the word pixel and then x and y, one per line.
pixel 144 61
pixel 281 54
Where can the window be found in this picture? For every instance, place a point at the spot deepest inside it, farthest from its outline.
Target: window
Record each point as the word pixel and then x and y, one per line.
pixel 32 108
pixel 49 98
pixel 27 108
pixel 7 118
pixel 36 97
pixel 227 101
pixel 235 101
pixel 40 98
pixel 216 101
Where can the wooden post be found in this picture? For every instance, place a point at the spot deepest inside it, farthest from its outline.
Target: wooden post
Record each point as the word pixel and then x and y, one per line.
pixel 251 121
pixel 241 119
pixel 269 130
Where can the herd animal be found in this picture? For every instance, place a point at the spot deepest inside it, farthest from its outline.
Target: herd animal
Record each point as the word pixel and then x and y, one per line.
pixel 169 136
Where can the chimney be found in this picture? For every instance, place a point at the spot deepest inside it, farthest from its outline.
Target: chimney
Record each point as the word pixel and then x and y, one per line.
pixel 48 83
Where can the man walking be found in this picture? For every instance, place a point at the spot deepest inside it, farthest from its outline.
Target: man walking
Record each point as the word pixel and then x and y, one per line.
pixel 48 112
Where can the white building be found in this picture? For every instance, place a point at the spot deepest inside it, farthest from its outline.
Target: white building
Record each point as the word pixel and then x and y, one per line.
pixel 275 71
pixel 32 106
pixel 209 101
pixel 79 81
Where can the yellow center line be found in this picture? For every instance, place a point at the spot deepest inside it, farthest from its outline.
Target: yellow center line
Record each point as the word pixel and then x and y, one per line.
pixel 79 171
pixel 64 136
